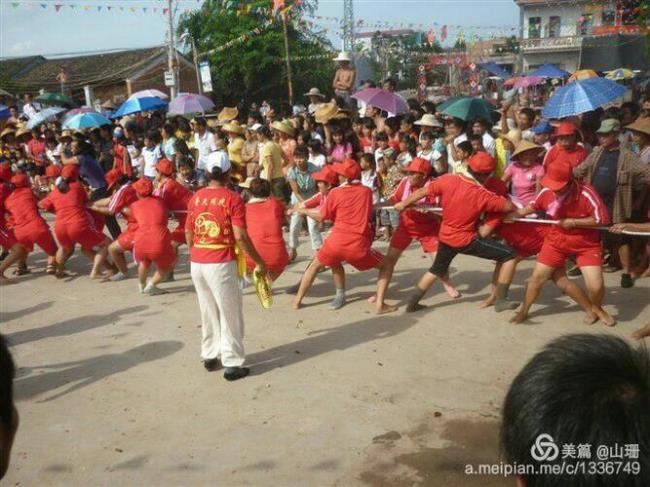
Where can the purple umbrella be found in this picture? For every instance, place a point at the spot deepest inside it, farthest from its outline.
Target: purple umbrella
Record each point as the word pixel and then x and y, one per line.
pixel 385 100
pixel 526 81
pixel 75 111
pixel 149 94
pixel 190 103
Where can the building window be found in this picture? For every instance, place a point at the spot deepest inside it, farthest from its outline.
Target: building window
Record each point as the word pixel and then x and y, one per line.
pixel 534 27
pixel 554 23
pixel 587 23
pixel 608 17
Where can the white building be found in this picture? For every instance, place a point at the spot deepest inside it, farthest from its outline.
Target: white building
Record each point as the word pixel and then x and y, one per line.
pixel 554 31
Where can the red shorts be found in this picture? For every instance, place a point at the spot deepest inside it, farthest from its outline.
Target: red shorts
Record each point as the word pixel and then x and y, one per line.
pixel 163 256
pixel 127 240
pixel 7 238
pixel 275 257
pixel 99 220
pixel 87 237
pixel 178 235
pixel 39 235
pixel 402 238
pixel 354 249
pixel 554 256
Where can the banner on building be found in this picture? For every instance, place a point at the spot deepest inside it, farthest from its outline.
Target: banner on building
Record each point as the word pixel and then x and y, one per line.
pixel 206 77
pixel 452 59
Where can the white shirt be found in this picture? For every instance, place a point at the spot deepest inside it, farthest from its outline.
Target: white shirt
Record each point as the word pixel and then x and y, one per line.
pixel 450 158
pixel 369 180
pixel 31 109
pixel 317 160
pixel 204 144
pixel 217 158
pixel 489 144
pixel 151 158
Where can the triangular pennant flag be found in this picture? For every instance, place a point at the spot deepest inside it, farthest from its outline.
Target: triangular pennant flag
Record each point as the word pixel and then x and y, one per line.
pixel 144 10
pixel 72 7
pixel 99 8
pixel 15 4
pixel 44 5
pixel 132 9
pixel 109 8
pixel 165 10
pixel 57 7
pixel 87 7
pixel 443 33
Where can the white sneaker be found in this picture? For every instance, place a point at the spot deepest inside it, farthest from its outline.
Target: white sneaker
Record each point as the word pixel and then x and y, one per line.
pixel 140 288
pixel 120 276
pixel 152 290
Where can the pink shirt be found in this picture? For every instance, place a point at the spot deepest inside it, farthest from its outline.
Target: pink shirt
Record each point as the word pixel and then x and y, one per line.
pixel 340 152
pixel 524 181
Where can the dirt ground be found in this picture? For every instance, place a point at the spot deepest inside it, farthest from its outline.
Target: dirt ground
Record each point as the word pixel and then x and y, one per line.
pixel 111 390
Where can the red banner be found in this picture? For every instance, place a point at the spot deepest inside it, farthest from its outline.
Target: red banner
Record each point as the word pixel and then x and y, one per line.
pixel 446 59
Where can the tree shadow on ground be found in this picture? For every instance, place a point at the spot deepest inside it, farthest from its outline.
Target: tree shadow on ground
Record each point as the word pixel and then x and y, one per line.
pixel 72 326
pixel 81 373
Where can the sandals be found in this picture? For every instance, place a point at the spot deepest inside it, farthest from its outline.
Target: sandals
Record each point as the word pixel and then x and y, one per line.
pixel 50 269
pixel 21 271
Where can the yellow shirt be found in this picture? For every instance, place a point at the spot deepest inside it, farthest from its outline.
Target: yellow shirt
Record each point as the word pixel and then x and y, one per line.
pixel 271 158
pixel 234 150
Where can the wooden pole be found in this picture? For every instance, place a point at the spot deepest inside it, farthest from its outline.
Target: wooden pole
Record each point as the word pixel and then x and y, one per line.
pixel 286 51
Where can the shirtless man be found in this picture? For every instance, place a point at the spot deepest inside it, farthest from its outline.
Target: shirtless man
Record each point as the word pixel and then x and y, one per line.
pixel 344 78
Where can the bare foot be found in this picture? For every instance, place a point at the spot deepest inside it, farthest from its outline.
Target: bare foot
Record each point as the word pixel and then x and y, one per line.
pixel 451 290
pixel 642 332
pixel 590 318
pixel 296 305
pixel 519 318
pixel 372 299
pixel 605 316
pixel 487 302
pixel 292 255
pixel 385 309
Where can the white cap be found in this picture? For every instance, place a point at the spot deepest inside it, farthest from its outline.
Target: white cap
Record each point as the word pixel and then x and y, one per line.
pixel 343 56
pixel 218 159
pixel 255 127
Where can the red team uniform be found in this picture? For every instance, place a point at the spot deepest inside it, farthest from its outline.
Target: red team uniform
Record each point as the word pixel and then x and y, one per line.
pixel 121 199
pixel 415 224
pixel 152 238
pixel 349 206
pixel 264 225
pixel 7 238
pixel 584 243
pixel 29 226
pixel 176 197
pixel 74 223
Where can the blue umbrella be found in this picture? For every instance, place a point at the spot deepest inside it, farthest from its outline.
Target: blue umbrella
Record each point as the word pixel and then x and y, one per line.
pixel 582 96
pixel 137 105
pixel 86 121
pixel 43 116
pixel 4 112
pixel 550 71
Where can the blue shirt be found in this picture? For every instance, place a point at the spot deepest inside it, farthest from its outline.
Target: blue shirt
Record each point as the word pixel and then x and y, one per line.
pixel 305 182
pixel 91 171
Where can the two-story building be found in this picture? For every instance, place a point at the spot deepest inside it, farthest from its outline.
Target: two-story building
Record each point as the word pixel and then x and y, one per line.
pixel 561 31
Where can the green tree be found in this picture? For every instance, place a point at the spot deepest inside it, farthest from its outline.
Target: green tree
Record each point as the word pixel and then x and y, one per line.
pixel 253 68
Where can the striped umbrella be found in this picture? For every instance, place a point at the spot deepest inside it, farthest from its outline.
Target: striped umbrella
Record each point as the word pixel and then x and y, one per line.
pixel 43 116
pixel 620 74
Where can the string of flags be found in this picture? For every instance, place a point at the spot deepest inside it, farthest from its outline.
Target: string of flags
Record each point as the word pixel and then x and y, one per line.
pixel 106 8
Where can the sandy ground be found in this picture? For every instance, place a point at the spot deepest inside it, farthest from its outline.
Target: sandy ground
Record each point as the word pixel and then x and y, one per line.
pixel 111 390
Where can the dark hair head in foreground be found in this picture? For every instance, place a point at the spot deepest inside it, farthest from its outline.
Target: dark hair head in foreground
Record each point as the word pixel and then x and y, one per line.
pixel 581 390
pixel 8 414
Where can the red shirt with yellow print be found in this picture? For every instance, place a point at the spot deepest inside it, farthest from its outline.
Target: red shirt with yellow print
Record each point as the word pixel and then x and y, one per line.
pixel 211 214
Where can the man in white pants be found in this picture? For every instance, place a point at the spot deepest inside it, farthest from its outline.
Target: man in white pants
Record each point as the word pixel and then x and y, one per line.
pixel 215 231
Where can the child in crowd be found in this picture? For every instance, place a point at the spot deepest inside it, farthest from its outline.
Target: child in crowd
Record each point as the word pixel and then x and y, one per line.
pixel 381 141
pixel 366 136
pixel 390 174
pixel 186 176
pixel 151 154
pixel 408 150
pixel 339 149
pixel 316 155
pixel 369 176
pixel 525 173
pixel 464 152
pixel 477 143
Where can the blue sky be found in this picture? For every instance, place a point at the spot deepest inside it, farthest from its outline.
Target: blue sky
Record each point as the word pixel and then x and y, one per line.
pixel 26 30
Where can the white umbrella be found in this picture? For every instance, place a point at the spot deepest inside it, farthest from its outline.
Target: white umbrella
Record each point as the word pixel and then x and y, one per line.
pixel 149 94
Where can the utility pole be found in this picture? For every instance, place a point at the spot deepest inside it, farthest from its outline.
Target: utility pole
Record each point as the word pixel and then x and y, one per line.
pixel 195 56
pixel 287 59
pixel 348 26
pixel 171 56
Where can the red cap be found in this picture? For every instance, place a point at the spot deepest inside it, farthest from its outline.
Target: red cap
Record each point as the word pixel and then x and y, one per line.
pixel 419 165
pixel 566 128
pixel 165 167
pixel 143 187
pixel 558 175
pixel 20 181
pixel 52 171
pixel 70 171
pixel 349 169
pixel 394 144
pixel 326 175
pixel 5 172
pixel 482 162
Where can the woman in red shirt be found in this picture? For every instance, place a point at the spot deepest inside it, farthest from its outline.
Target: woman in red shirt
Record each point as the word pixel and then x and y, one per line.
pixel 74 223
pixel 29 226
pixel 264 220
pixel 152 242
pixel 215 231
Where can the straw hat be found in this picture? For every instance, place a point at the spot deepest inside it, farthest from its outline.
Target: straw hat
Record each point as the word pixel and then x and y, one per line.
pixel 246 184
pixel 525 146
pixel 284 126
pixel 108 105
pixel 23 131
pixel 228 114
pixel 213 123
pixel 315 92
pixel 429 120
pixel 127 119
pixel 233 127
pixel 328 111
pixel 343 56
pixel 7 131
pixel 513 136
pixel 66 134
pixel 640 125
